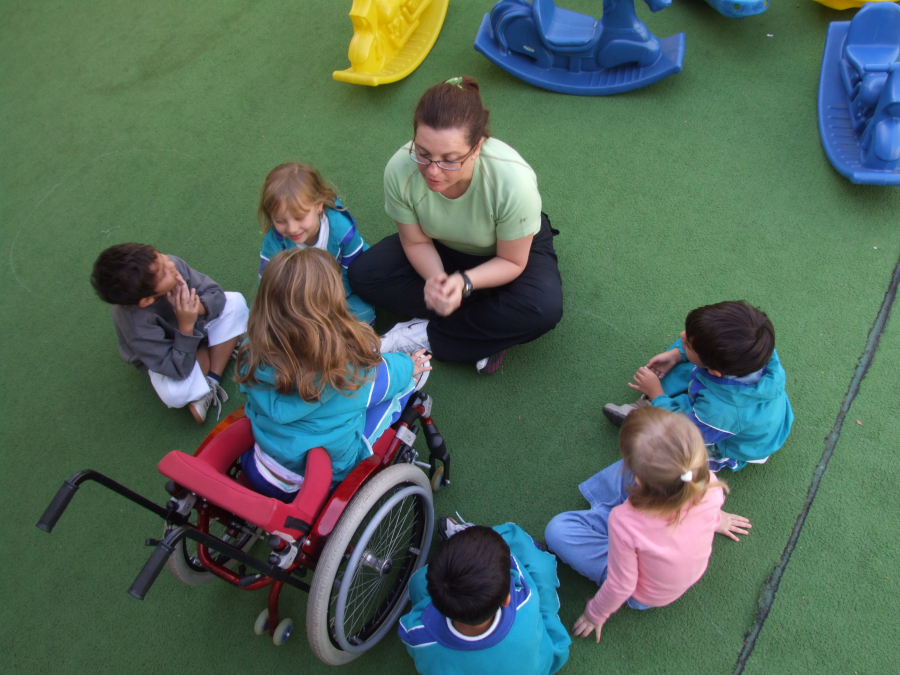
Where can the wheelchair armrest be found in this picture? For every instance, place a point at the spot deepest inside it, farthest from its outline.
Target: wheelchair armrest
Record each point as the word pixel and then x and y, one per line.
pixel 339 501
pixel 228 441
pixel 316 486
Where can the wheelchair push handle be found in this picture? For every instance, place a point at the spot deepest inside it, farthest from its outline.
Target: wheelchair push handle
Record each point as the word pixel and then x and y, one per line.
pixel 58 505
pixel 156 562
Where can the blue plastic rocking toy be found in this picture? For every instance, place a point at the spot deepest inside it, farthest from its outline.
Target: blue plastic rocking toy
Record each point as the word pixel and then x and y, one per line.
pixel 571 53
pixel 859 95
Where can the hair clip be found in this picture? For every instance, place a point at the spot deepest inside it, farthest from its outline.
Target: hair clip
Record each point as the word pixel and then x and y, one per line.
pixel 454 82
pixel 687 476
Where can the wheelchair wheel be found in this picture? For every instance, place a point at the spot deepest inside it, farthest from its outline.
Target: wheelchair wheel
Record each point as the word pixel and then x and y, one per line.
pixel 360 585
pixel 184 565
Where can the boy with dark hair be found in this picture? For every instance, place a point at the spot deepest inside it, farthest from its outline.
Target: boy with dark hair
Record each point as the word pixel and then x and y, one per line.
pixel 172 322
pixel 487 603
pixel 723 373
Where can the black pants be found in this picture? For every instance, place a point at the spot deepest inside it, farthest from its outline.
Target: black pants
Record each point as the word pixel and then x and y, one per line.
pixel 489 320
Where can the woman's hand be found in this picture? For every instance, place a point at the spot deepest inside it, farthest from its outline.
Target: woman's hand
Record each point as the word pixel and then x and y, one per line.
pixel 421 363
pixel 663 363
pixel 731 525
pixel 647 382
pixel 443 293
pixel 584 627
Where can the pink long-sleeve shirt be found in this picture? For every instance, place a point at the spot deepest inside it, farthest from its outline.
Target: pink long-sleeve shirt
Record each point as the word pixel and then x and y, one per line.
pixel 652 560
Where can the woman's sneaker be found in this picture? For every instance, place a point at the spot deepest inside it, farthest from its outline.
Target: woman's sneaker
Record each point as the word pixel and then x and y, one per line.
pixel 490 364
pixel 407 336
pixel 446 527
pixel 617 413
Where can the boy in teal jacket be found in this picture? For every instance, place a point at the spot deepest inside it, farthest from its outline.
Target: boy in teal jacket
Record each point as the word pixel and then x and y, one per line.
pixel 487 603
pixel 724 374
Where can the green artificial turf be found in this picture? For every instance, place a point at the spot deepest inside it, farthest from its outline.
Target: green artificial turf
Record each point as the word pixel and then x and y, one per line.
pixel 157 122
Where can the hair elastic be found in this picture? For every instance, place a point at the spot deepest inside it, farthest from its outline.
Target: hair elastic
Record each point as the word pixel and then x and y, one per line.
pixel 454 82
pixel 687 476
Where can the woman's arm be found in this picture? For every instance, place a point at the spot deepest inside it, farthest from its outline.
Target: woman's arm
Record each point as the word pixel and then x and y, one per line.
pixel 420 251
pixel 507 265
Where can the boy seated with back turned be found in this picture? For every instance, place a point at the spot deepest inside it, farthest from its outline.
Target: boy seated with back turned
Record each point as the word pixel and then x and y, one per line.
pixel 172 322
pixel 486 603
pixel 723 373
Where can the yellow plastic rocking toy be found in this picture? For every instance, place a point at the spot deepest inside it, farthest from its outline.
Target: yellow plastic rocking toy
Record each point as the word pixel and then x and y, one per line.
pixel 390 39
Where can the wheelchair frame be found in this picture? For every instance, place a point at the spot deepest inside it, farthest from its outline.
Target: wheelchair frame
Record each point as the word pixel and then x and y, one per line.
pixel 290 558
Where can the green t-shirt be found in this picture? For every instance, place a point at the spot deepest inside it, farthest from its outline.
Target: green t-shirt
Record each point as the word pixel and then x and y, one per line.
pixel 501 202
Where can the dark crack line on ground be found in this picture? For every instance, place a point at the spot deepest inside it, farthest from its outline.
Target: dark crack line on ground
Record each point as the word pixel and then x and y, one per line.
pixel 770 590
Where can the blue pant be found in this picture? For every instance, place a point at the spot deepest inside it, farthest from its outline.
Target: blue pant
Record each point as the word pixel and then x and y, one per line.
pixel 581 538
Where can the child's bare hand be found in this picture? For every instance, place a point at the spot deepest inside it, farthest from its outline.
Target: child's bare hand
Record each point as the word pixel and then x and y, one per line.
pixel 584 627
pixel 732 525
pixel 647 382
pixel 421 361
pixel 186 305
pixel 663 363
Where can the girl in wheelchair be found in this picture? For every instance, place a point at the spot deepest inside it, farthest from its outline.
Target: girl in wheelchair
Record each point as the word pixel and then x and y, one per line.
pixel 314 376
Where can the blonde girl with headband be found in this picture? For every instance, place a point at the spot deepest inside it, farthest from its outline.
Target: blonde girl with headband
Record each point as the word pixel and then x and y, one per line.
pixel 298 209
pixel 648 535
pixel 314 376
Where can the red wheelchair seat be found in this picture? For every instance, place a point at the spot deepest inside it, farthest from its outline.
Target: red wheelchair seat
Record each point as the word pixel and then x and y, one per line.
pixel 206 474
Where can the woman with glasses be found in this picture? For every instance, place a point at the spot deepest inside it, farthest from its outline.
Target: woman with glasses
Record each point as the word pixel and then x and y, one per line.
pixel 473 257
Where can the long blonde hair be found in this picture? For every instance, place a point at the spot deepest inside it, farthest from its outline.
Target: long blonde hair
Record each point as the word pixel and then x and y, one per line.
pixel 660 448
pixel 300 327
pixel 296 187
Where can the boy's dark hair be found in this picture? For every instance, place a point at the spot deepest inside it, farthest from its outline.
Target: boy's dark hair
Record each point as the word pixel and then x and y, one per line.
pixel 469 577
pixel 732 337
pixel 122 274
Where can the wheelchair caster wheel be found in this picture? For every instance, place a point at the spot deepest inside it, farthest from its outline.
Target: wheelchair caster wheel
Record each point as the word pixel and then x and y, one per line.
pixel 437 480
pixel 262 623
pixel 282 631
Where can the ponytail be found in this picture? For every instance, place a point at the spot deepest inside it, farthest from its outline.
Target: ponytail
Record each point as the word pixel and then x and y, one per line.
pixel 667 455
pixel 454 104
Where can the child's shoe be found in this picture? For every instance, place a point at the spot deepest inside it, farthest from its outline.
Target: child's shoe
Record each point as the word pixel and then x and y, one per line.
pixel 490 364
pixel 446 527
pixel 215 396
pixel 617 413
pixel 408 336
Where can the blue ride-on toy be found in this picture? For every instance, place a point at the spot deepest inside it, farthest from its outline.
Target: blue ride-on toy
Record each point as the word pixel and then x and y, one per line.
pixel 571 53
pixel 859 95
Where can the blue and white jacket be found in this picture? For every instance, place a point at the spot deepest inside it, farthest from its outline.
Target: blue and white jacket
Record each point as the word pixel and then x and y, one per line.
pixel 742 419
pixel 286 427
pixel 340 237
pixel 526 638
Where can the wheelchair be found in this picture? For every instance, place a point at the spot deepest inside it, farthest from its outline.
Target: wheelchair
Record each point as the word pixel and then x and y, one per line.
pixel 363 541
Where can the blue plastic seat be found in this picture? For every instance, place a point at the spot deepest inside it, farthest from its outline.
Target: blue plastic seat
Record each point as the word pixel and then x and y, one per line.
pixel 874 36
pixel 562 27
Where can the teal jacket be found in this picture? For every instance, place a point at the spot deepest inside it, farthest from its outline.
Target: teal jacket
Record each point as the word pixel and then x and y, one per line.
pixel 344 243
pixel 286 427
pixel 746 419
pixel 529 638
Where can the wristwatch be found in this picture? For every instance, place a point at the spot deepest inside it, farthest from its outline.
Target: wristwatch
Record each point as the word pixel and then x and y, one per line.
pixel 467 284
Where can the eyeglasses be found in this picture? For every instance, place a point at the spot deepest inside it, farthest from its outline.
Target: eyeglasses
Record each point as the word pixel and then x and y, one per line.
pixel 446 165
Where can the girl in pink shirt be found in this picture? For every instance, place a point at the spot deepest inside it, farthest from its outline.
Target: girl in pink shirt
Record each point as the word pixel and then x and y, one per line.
pixel 648 535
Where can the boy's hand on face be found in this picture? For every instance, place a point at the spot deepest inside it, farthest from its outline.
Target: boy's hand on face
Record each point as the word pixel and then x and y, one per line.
pixel 187 307
pixel 732 525
pixel 663 363
pixel 584 627
pixel 647 382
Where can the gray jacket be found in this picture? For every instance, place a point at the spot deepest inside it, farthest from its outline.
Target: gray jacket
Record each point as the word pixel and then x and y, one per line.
pixel 149 338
